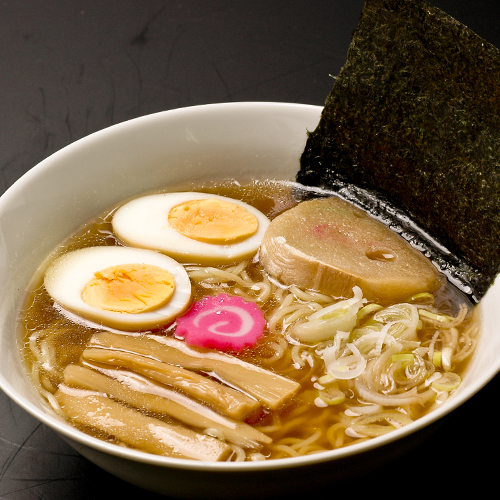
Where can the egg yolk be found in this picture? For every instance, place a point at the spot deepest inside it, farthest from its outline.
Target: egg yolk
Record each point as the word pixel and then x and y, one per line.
pixel 129 288
pixel 213 221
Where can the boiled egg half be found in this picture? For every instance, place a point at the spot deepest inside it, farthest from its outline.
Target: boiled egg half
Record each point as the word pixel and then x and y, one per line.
pixel 192 227
pixel 124 288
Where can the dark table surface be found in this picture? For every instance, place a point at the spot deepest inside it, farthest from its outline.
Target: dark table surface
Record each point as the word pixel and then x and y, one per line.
pixel 71 67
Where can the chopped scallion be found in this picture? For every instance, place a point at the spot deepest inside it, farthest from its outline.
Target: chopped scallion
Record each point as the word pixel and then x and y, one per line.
pixel 448 382
pixel 443 318
pixel 332 396
pixel 407 358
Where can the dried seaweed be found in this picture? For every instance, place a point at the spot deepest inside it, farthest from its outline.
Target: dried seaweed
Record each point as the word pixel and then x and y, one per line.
pixel 412 127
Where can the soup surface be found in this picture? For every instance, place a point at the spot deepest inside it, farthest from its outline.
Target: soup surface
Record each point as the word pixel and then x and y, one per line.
pixel 377 367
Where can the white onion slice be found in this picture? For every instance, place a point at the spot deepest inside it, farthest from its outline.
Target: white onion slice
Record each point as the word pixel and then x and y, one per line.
pixel 325 323
pixel 348 367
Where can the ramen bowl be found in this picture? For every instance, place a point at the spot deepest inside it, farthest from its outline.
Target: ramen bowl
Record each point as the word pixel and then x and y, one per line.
pixel 202 143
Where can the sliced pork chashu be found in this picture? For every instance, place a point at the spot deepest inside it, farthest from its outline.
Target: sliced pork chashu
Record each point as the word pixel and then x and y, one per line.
pixel 329 245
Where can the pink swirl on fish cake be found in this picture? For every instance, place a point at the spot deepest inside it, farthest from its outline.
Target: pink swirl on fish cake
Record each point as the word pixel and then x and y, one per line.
pixel 222 322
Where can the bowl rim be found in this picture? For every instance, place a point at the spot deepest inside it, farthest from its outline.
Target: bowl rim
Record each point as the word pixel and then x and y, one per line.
pixel 73 434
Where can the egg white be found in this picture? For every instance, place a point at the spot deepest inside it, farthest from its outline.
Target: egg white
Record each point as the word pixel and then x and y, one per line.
pixel 67 276
pixel 143 222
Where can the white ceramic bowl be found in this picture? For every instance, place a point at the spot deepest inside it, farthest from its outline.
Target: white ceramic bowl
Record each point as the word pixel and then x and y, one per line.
pixel 199 143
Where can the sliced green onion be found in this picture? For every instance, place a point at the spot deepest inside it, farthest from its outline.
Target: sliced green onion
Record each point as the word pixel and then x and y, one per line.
pixel 408 358
pixel 446 355
pixel 336 313
pixel 396 312
pixel 402 318
pixel 331 396
pixel 366 329
pixel 343 368
pixel 397 329
pixel 448 382
pixel 421 298
pixel 442 318
pixel 436 358
pixel 326 379
pixel 367 310
pixel 326 323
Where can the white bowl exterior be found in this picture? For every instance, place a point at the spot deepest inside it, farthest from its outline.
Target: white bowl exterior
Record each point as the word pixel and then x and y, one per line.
pixel 241 140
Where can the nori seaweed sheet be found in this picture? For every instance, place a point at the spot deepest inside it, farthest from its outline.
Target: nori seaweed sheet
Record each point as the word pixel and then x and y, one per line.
pixel 412 125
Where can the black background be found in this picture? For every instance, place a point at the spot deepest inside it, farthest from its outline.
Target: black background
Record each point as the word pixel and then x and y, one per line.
pixel 69 68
